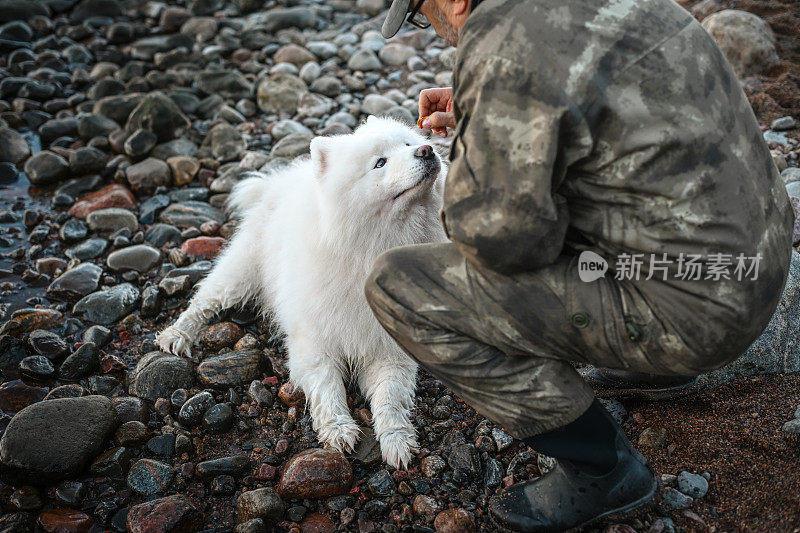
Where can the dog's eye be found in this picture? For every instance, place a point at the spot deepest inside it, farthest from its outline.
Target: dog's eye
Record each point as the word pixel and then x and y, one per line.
pixel 381 162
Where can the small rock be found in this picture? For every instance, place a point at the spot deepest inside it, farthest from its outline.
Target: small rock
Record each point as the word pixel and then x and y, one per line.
pixel 262 503
pixel 148 477
pixel 173 513
pixel 675 499
pixel 316 473
pixel 692 484
pixel 232 369
pixel 454 521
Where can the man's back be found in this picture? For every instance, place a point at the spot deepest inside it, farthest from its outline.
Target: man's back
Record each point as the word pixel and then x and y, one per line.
pixel 658 150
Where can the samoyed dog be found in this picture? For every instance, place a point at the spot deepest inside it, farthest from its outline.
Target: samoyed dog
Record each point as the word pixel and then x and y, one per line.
pixel 307 238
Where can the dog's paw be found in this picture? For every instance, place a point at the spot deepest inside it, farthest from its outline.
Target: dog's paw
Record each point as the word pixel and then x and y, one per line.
pixel 398 447
pixel 175 341
pixel 341 435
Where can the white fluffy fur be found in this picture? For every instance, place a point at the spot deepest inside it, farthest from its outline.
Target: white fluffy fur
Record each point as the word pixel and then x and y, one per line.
pixel 308 236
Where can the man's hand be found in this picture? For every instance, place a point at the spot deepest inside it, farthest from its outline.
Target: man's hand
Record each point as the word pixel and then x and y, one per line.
pixel 436 108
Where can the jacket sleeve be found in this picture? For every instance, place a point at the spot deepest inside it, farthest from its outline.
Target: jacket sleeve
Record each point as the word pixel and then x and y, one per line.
pixel 500 205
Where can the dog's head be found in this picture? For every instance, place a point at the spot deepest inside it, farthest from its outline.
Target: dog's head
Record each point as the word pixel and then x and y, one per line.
pixel 383 173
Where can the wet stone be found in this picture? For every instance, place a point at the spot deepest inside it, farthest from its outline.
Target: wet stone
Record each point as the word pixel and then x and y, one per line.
pixel 235 465
pixel 133 433
pixel 316 473
pixel 139 258
pixel 70 390
pixel 114 195
pixel 68 432
pixel 162 445
pixel 73 231
pixel 81 363
pixel 191 213
pixel 465 456
pixel 232 368
pixel 262 503
pixel 98 335
pixel 56 520
pixel 111 220
pixel 36 367
pixel 454 521
pixel 173 513
pixel 106 307
pixel 88 249
pixel 158 374
pixel 112 463
pixel 218 419
pixel 47 343
pixel 381 484
pixel 191 412
pixel 76 283
pixel 148 476
pixel 150 209
pixel 221 335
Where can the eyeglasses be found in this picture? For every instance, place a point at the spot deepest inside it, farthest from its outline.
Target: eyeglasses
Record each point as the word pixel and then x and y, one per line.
pixel 416 18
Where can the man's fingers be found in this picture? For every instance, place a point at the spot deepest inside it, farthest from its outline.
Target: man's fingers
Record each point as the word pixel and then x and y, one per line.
pixel 435 99
pixel 440 119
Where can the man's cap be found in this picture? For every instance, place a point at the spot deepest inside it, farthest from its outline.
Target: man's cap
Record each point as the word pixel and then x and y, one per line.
pixel 397 15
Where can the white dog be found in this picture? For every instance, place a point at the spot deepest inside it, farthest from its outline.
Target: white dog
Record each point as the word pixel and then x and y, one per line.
pixel 308 236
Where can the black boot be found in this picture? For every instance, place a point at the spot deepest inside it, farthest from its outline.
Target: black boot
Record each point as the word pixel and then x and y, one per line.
pixel 598 474
pixel 621 384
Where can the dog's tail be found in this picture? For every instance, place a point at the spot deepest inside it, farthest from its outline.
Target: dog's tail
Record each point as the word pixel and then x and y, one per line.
pixel 247 193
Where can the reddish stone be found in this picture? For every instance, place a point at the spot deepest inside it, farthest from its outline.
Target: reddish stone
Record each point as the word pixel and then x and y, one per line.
pixel 426 507
pixel 205 176
pixel 241 54
pixel 49 265
pixel 317 523
pixel 205 247
pixel 221 335
pixel 112 363
pixel 291 396
pixel 172 514
pixel 270 381
pixel 508 481
pixel 114 195
pixel 31 319
pixel 16 395
pixel 454 521
pixel 267 472
pixel 282 446
pixel 316 473
pixel 65 521
pixel 210 227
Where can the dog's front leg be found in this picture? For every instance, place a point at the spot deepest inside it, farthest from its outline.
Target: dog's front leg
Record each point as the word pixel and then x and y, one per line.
pixel 322 381
pixel 389 386
pixel 232 281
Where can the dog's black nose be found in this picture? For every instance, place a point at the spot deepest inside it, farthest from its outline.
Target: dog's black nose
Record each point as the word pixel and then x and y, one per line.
pixel 425 152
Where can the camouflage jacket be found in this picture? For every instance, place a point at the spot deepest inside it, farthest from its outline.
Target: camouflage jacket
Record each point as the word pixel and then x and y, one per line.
pixel 615 126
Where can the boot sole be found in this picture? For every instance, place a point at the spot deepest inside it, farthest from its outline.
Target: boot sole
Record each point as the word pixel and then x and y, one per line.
pixel 619 511
pixel 605 390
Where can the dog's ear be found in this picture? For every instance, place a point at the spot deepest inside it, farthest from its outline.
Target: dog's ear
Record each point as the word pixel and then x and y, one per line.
pixel 320 155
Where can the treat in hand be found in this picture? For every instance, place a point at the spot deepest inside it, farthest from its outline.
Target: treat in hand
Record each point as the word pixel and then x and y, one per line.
pixel 420 120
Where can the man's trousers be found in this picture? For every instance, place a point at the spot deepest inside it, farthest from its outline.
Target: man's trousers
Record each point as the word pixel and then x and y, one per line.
pixel 505 344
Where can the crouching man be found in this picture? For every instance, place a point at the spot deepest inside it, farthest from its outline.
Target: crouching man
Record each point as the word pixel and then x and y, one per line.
pixel 587 132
